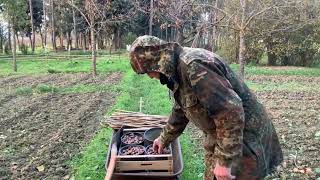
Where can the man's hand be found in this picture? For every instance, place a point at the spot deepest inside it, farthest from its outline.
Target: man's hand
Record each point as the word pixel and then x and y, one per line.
pixel 158 146
pixel 222 173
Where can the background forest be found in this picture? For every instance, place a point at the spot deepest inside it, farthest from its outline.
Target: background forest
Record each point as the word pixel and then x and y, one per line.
pixel 267 32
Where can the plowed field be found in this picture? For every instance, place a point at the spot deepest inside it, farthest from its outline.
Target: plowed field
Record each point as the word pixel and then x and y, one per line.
pixel 41 131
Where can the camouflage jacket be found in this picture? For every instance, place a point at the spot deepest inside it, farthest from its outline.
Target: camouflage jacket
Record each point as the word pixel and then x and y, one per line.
pixel 211 96
pixel 237 128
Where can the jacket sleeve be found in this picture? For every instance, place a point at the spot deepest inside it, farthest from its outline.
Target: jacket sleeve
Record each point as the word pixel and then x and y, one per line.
pixel 224 107
pixel 175 126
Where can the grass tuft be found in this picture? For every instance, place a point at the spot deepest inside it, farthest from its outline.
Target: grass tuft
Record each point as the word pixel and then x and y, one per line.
pixel 24 90
pixel 43 88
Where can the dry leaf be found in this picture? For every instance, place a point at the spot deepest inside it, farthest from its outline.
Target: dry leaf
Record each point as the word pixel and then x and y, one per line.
pixel 303 171
pixel 40 168
pixel 308 170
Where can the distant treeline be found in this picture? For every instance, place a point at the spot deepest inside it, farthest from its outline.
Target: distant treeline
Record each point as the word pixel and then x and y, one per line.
pixel 274 32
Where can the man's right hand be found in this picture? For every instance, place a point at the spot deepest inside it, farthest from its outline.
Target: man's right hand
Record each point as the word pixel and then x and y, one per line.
pixel 158 146
pixel 222 173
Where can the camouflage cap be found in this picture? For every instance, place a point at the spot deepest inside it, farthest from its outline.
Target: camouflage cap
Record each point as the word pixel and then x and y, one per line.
pixel 144 54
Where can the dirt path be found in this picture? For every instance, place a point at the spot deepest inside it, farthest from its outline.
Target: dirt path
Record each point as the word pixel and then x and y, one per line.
pixel 40 132
pixel 297 119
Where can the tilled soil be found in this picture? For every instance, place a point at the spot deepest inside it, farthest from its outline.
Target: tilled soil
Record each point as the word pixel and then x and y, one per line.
pixel 40 133
pixel 309 81
pixel 296 118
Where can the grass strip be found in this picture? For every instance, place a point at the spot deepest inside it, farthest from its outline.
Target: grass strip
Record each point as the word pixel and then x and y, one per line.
pixel 107 64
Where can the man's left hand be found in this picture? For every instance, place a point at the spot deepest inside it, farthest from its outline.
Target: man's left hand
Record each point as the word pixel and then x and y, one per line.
pixel 222 172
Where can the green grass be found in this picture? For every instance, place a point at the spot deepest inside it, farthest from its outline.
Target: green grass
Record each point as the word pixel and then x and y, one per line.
pixel 24 90
pixel 260 70
pixel 107 64
pixel 104 64
pixel 193 158
pixel 43 88
pixel 79 88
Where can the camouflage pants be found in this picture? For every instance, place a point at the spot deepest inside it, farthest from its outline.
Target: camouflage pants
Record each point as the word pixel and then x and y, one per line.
pixel 245 169
pixel 209 163
pixel 209 160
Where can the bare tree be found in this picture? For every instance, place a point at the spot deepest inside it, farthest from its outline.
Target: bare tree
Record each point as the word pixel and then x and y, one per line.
pixel 75 26
pixel 90 7
pixel 151 17
pixel 53 33
pixel 178 14
pixel 33 41
pixel 239 15
pixel 96 15
pixel 14 48
pixel 215 30
pixel 44 24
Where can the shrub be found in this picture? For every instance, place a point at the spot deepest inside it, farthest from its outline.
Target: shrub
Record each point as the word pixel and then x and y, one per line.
pixel 24 49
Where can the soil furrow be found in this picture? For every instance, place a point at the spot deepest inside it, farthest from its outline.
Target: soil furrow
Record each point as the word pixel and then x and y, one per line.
pixel 49 129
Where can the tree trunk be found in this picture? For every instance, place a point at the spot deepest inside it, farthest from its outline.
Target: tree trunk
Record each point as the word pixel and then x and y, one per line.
pixel 14 50
pixel 9 36
pixel 215 28
pixel 110 45
pixel 151 17
pixel 44 25
pixel 61 40
pixel 17 37
pixel 119 39
pixel 60 30
pixel 22 39
pixel 80 40
pixel 88 41
pixel 172 34
pixel 33 42
pixel 166 32
pixel 84 42
pixel 242 50
pixel 53 38
pixel 271 56
pixel 272 61
pixel 1 39
pixel 115 40
pixel 75 34
pixel 93 50
pixel 41 37
pixel 30 39
pixel 179 35
pixel 68 41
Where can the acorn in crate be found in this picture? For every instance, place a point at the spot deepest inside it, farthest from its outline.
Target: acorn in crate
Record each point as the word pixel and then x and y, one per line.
pixel 150 151
pixel 132 138
pixel 132 150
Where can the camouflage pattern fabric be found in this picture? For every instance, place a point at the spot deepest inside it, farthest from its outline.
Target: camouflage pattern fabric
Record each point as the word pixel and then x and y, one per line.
pixel 238 132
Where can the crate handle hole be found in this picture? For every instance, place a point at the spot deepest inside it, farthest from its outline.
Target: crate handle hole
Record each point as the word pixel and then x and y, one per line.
pixel 146 164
